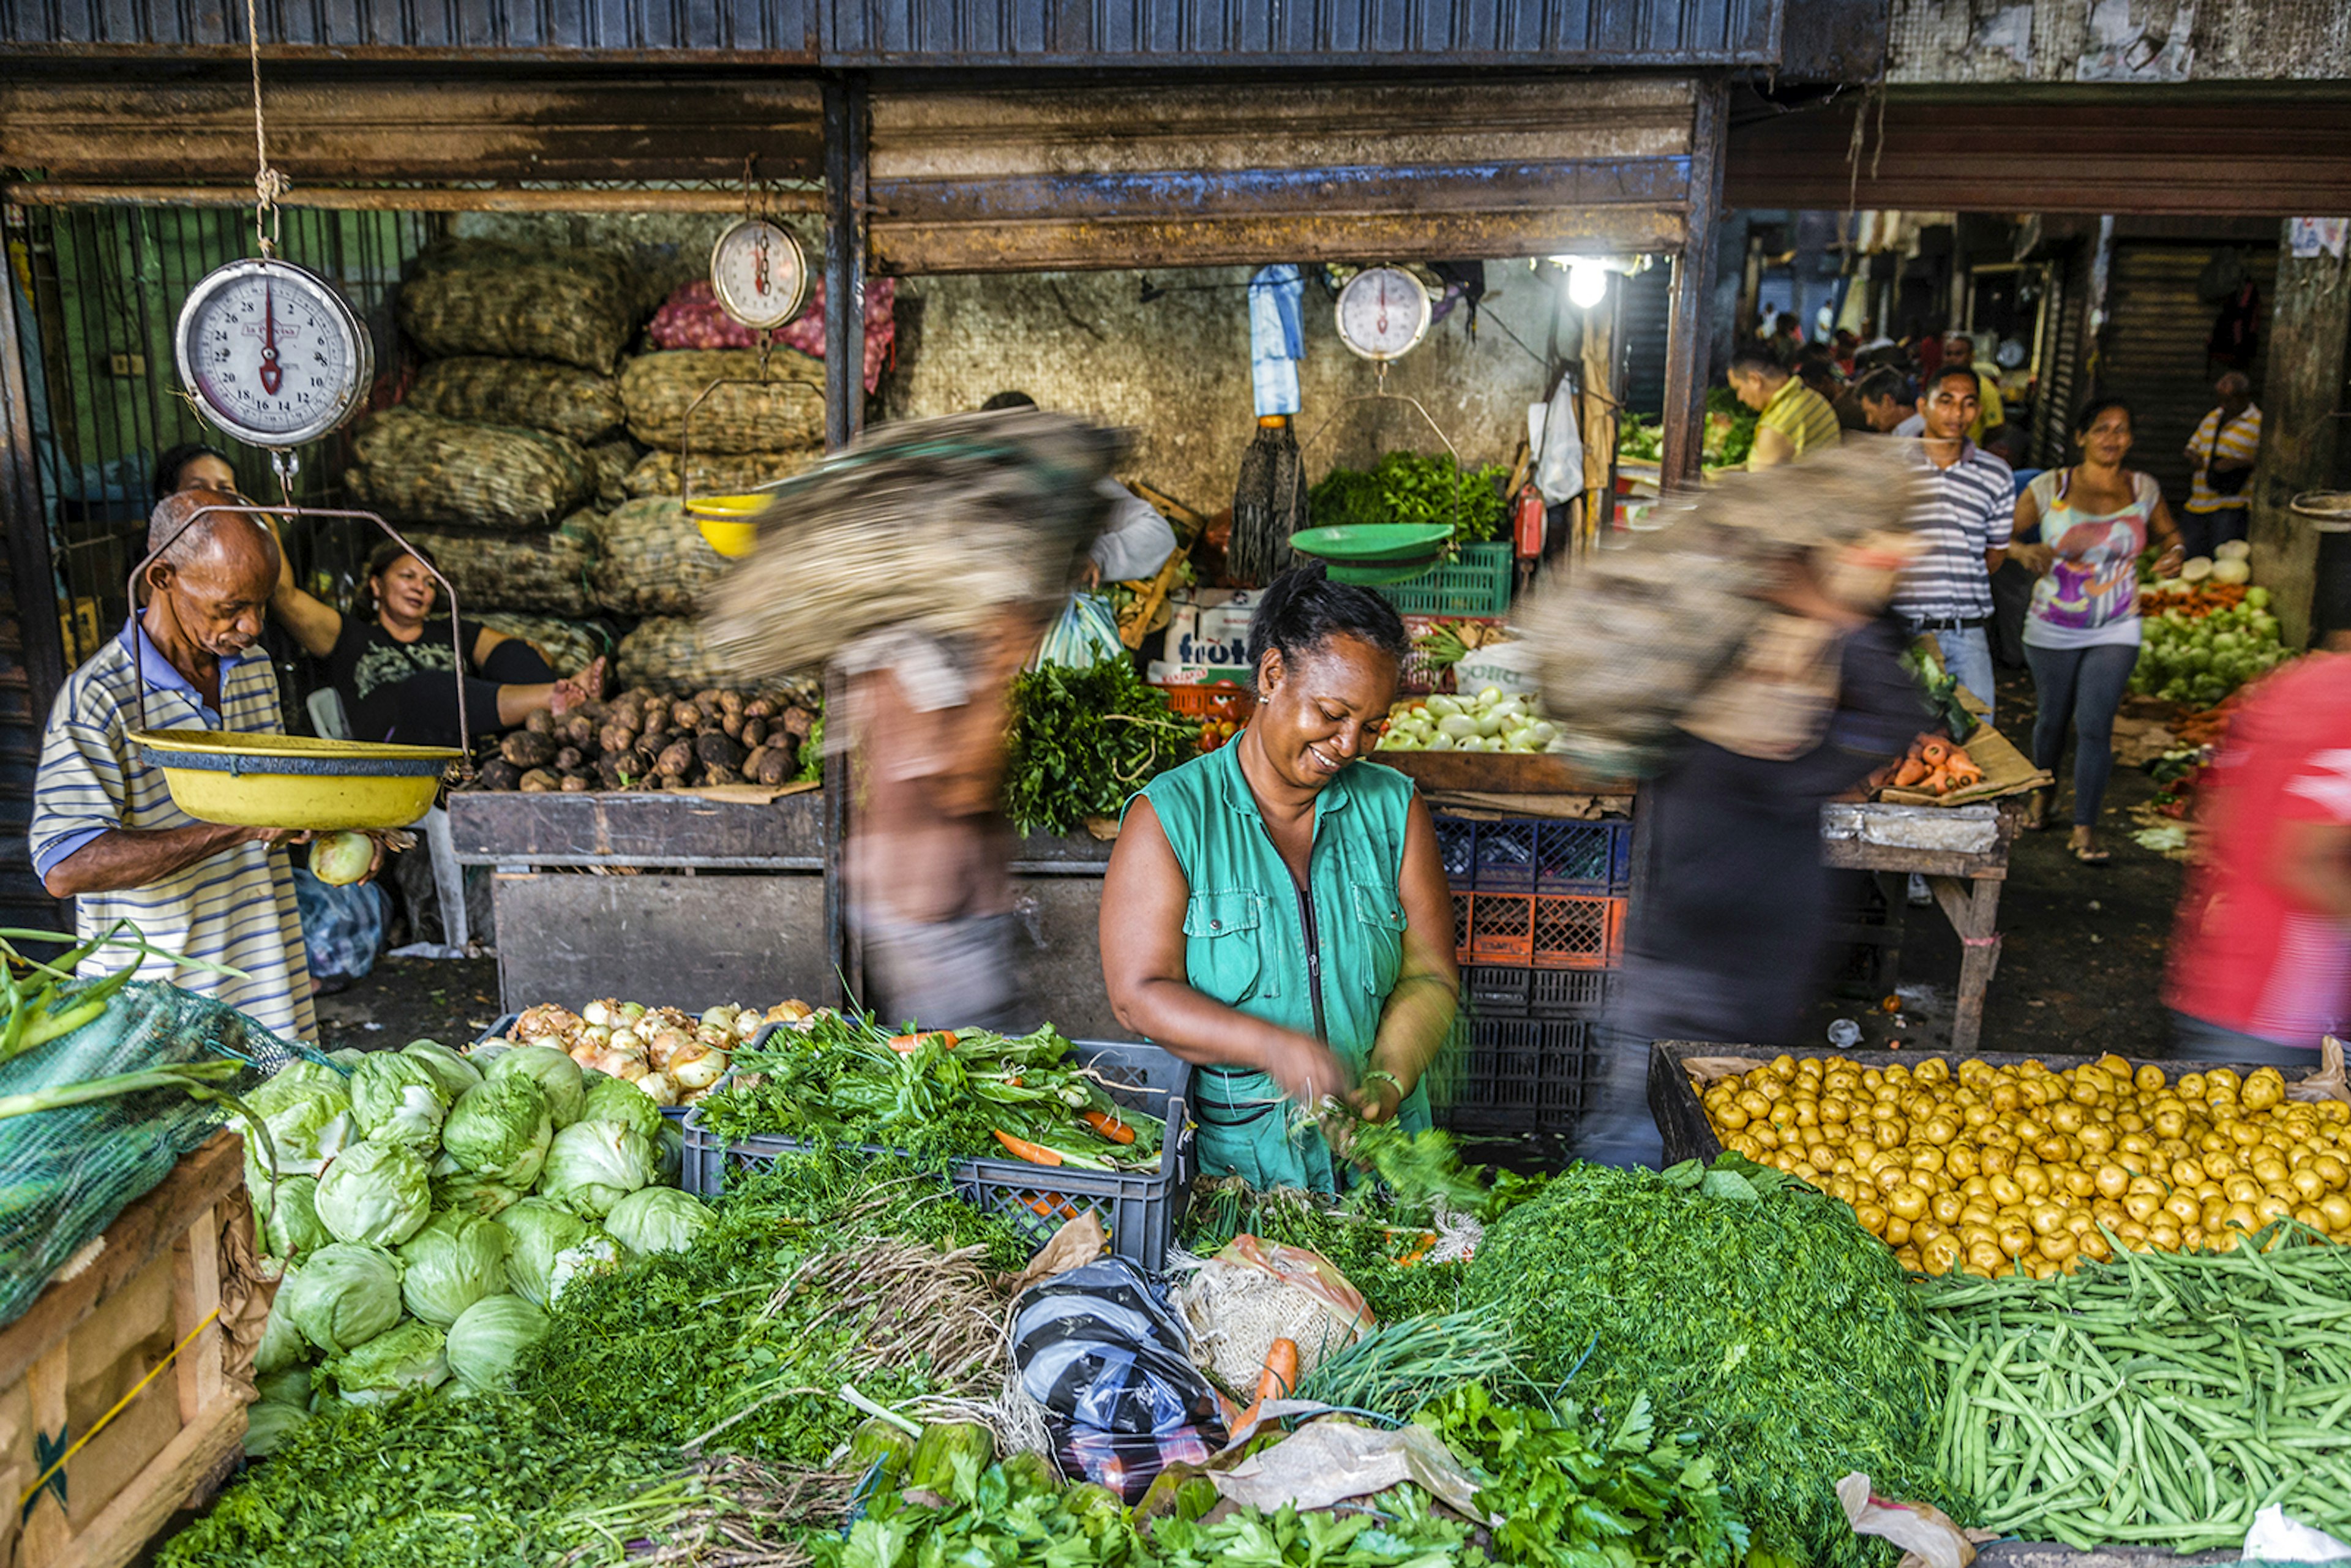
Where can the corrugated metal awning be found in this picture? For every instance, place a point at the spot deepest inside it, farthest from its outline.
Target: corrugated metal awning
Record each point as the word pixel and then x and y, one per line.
pixel 1204 175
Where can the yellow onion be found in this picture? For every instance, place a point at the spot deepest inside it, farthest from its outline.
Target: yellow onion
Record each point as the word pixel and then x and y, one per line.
pixel 659 1088
pixel 697 1066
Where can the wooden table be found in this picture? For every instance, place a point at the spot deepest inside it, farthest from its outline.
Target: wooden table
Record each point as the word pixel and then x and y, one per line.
pixel 1962 851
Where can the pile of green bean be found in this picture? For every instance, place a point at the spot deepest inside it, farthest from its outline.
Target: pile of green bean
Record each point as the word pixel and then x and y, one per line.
pixel 2156 1400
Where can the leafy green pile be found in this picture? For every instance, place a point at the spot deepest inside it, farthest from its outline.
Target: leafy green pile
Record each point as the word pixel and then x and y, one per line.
pixel 1573 1497
pixel 684 1344
pixel 434 1483
pixel 1730 429
pixel 1084 742
pixel 1406 487
pixel 935 1097
pixel 1369 1247
pixel 1742 1305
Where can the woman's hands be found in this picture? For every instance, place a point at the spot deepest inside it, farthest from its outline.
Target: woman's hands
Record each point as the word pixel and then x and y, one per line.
pixel 1308 1070
pixel 2034 558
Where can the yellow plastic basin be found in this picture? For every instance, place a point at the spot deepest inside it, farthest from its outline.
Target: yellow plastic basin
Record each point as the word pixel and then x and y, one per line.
pixel 295 780
pixel 726 521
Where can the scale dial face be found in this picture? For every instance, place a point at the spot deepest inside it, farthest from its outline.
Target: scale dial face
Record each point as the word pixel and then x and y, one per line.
pixel 272 354
pixel 759 273
pixel 1383 312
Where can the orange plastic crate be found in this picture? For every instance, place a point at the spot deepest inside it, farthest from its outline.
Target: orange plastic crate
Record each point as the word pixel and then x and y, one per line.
pixel 1216 702
pixel 1540 930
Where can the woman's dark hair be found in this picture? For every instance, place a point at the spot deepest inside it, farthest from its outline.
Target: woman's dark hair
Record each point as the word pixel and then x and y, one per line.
pixel 1302 608
pixel 2096 406
pixel 168 467
pixel 380 560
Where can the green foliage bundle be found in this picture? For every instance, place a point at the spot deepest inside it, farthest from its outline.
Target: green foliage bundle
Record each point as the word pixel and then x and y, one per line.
pixel 1406 487
pixel 1084 741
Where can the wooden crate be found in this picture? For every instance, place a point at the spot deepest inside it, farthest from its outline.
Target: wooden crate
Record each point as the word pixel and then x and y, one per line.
pixel 87 1341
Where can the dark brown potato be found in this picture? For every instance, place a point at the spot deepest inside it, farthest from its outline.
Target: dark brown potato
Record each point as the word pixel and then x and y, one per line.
pixel 686 716
pixel 527 749
pixel 576 784
pixel 797 722
pixel 709 697
pixel 570 759
pixel 675 759
pixel 719 750
pixel 775 768
pixel 610 772
pixel 754 733
pixel 717 775
pixel 577 729
pixel 615 739
pixel 540 723
pixel 540 781
pixel 759 707
pixel 731 703
pixel 497 773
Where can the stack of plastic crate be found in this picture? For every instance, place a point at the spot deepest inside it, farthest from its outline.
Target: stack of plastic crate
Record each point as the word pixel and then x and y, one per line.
pixel 1538 915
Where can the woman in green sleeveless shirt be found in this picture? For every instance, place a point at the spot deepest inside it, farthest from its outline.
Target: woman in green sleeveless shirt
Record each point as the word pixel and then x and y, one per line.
pixel 1276 912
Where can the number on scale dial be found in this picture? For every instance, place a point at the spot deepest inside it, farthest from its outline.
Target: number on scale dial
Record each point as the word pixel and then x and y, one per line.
pixel 759 274
pixel 272 354
pixel 1383 312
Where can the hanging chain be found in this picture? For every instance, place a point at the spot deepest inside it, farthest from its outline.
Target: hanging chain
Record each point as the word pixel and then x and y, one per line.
pixel 268 185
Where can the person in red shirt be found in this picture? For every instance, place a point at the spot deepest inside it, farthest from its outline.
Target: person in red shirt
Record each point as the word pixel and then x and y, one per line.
pixel 2261 959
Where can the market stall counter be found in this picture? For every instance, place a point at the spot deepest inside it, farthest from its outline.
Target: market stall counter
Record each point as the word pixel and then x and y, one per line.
pixel 673 898
pixel 1962 851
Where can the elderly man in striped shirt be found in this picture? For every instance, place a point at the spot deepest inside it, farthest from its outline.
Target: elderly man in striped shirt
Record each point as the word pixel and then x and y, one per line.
pixel 1963 520
pixel 105 831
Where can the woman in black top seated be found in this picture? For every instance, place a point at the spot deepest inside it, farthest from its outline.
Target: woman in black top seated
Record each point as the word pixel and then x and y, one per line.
pixel 393 664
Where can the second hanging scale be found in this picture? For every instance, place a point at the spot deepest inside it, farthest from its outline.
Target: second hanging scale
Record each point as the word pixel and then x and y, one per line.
pixel 759 275
pixel 1384 313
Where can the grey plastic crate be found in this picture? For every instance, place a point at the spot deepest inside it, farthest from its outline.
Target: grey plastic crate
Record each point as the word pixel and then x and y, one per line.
pixel 1520 1075
pixel 497 1030
pixel 1140 1209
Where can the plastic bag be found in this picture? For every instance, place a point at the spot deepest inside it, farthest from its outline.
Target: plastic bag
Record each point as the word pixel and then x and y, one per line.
pixel 1256 1291
pixel 1082 635
pixel 1099 1349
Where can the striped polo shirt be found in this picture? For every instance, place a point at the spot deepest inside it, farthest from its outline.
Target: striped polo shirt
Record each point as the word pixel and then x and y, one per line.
pixel 236 908
pixel 1803 416
pixel 1963 511
pixel 2240 442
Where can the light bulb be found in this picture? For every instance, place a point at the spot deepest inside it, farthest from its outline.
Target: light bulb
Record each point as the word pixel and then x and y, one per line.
pixel 1587 283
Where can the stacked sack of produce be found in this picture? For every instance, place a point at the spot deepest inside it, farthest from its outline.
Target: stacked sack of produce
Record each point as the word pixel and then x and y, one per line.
pixel 429 1207
pixel 513 435
pixel 691 319
pixel 716 423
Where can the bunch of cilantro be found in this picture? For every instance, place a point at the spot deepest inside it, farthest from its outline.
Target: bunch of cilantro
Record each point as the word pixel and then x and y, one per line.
pixel 1743 1305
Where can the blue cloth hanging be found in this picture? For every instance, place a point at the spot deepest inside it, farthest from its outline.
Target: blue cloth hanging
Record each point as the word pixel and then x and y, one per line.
pixel 1277 338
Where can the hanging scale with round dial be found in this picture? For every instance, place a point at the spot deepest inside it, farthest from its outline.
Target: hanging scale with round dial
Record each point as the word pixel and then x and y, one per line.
pixel 1383 313
pixel 759 274
pixel 272 354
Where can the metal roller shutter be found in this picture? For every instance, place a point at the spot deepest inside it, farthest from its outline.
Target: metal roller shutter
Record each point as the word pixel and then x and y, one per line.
pixel 2154 350
pixel 2062 376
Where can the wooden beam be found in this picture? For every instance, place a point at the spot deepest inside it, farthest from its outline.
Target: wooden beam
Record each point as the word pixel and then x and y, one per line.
pixel 1687 330
pixel 412 199
pixel 847 129
pixel 2310 324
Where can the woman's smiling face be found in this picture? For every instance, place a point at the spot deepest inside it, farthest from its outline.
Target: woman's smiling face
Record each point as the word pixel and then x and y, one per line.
pixel 1317 715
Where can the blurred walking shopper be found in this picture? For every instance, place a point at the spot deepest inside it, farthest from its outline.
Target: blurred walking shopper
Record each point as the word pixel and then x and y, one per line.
pixel 1966 506
pixel 1791 419
pixel 1878 402
pixel 2081 530
pixel 922 565
pixel 2261 960
pixel 2224 449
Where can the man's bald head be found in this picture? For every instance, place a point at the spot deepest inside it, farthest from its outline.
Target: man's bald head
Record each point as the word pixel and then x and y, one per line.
pixel 217 570
pixel 2235 391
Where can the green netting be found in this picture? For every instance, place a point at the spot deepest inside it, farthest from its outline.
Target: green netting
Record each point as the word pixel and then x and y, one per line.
pixel 66 1173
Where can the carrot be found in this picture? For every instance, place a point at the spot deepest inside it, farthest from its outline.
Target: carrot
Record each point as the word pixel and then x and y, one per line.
pixel 1022 1149
pixel 907 1044
pixel 1108 1126
pixel 1277 1380
pixel 1933 752
pixel 1959 758
pixel 1909 773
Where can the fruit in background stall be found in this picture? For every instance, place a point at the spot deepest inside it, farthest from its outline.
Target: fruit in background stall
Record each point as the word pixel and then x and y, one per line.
pixel 340 860
pixel 1492 720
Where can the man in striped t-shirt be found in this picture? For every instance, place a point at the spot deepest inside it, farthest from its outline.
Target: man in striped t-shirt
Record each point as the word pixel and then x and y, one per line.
pixel 2223 451
pixel 1966 510
pixel 105 831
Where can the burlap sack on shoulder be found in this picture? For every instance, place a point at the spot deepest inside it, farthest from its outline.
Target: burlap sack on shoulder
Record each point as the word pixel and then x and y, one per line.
pixel 538 394
pixel 784 412
pixel 416 467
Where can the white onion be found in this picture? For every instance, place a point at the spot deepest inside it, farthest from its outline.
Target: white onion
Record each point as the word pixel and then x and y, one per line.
pixel 659 1088
pixel 697 1067
pixel 595 1013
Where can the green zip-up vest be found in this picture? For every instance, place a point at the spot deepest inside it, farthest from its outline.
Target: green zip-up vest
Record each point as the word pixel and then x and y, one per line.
pixel 1244 944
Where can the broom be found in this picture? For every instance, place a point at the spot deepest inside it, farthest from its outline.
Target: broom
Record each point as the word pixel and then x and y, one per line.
pixel 1269 504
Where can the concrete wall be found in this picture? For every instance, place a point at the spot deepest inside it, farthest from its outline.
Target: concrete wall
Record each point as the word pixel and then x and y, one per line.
pixel 1175 370
pixel 1950 41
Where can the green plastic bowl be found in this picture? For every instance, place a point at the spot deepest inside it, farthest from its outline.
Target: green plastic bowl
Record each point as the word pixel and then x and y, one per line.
pixel 1382 573
pixel 1383 542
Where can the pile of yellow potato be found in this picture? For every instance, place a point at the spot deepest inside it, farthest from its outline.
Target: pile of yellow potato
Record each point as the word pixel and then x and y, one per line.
pixel 1993 1169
